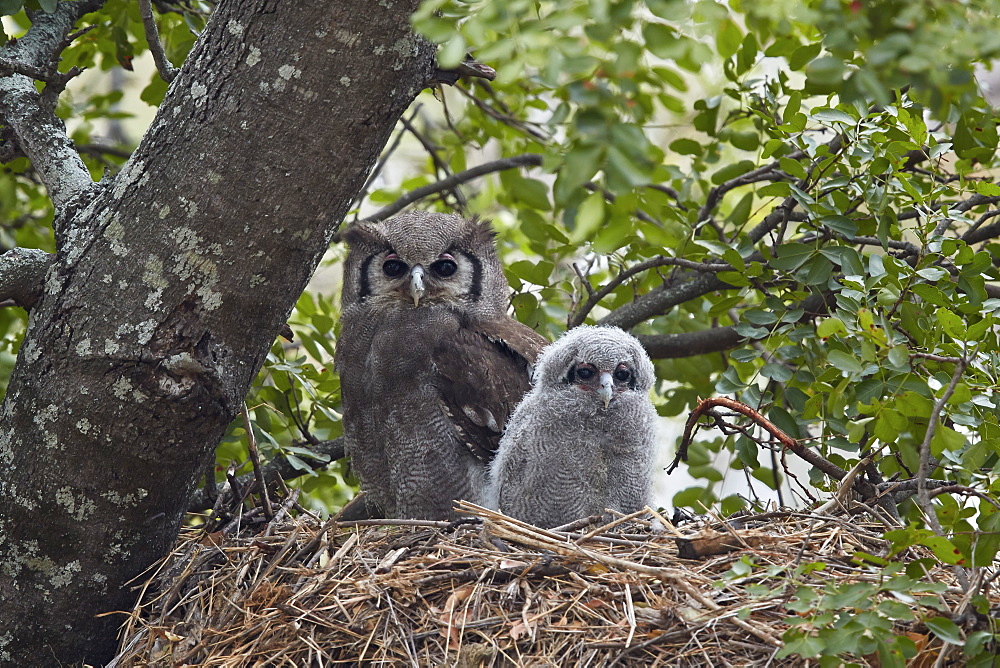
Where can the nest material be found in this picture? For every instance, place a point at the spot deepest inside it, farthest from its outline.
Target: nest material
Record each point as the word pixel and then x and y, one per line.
pixel 494 592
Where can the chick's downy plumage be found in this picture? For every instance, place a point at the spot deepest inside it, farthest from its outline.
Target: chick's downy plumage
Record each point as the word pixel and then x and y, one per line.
pixel 583 439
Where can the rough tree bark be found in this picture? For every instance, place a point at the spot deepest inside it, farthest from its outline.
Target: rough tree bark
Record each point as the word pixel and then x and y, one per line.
pixel 170 284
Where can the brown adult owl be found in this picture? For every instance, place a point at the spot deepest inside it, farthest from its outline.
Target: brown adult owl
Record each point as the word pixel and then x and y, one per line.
pixel 431 366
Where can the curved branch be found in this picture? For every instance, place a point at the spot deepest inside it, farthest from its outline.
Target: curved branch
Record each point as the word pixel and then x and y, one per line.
pixel 40 134
pixel 167 71
pixel 22 275
pixel 663 298
pixel 688 344
pixel 526 159
pixel 279 469
pixel 596 296
pixel 787 442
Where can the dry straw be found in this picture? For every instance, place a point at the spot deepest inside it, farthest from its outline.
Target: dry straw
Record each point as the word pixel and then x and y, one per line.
pixel 491 591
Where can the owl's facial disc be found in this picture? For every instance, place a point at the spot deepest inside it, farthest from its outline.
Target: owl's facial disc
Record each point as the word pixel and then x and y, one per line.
pixel 602 382
pixel 417 288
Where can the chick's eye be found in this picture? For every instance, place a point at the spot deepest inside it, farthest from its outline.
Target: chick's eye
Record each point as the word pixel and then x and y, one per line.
pixel 585 372
pixel 444 268
pixel 394 267
pixel 623 375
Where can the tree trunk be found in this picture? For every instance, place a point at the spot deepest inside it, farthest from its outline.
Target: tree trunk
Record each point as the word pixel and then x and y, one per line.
pixel 170 285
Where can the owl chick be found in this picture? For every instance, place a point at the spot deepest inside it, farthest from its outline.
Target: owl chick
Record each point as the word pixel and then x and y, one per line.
pixel 431 366
pixel 582 440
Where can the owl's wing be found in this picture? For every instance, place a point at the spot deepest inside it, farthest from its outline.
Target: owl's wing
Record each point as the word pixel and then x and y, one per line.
pixel 484 371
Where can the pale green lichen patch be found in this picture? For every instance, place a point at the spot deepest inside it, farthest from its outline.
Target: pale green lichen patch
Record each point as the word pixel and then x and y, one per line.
pixel 130 176
pixel 83 348
pixel 25 556
pixel 79 509
pixel 115 234
pixel 186 238
pixel 235 28
pixel 6 449
pixel 254 56
pixel 5 640
pixel 65 575
pixel 47 414
pixel 152 273
pixel 122 387
pixel 154 299
pixel 125 500
pixel 144 331
pixel 288 72
pixel 190 207
pixel 84 426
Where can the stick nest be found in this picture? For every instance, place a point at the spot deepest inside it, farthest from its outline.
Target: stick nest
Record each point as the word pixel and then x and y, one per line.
pixel 490 591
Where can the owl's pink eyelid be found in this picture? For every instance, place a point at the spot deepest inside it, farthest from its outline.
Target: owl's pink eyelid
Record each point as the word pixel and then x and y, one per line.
pixel 446 256
pixel 391 256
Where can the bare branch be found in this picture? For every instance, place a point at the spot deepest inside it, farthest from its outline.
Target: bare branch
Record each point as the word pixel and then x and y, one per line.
pixel 523 160
pixel 814 458
pixel 688 344
pixel 660 300
pixel 923 498
pixel 40 134
pixel 22 275
pixel 659 261
pixel 167 71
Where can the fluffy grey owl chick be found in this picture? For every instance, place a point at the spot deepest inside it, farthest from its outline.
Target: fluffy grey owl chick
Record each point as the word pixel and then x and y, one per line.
pixel 431 366
pixel 582 440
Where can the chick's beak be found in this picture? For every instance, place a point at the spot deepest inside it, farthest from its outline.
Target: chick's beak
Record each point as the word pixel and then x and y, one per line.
pixel 607 388
pixel 417 288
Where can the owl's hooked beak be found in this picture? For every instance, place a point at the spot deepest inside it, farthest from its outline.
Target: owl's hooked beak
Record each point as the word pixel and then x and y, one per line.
pixel 607 388
pixel 417 288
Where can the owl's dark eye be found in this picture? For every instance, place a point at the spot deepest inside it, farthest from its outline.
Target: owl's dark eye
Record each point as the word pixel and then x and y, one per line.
pixel 444 268
pixel 585 372
pixel 393 267
pixel 623 375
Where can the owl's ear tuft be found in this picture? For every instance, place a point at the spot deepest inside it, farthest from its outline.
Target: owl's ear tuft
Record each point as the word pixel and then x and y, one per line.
pixel 476 232
pixel 358 235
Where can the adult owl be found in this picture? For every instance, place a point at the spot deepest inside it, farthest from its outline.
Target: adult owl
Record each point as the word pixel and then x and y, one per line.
pixel 431 366
pixel 583 438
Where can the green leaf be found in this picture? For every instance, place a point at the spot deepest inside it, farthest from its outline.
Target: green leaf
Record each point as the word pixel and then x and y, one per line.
pixel 987 189
pixel 803 55
pixel 776 372
pixel 10 7
pixel 732 171
pixel 589 217
pixel 728 38
pixel 833 116
pixel 844 362
pixel 945 629
pixel 791 256
pixel 829 327
pixel 532 272
pixel 951 323
pixel 840 224
pixel 686 146
pixel 452 53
